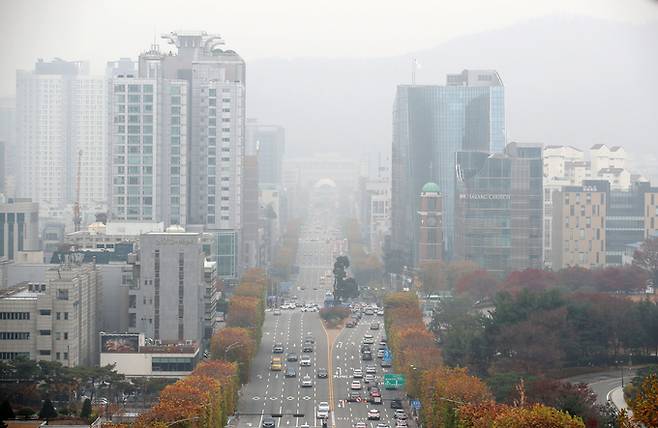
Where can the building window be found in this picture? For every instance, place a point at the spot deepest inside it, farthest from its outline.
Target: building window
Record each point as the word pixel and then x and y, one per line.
pixel 62 294
pixel 66 336
pixel 14 315
pixel 14 335
pixel 44 352
pixel 44 332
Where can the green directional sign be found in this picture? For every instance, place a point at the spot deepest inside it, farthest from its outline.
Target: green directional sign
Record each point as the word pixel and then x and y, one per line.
pixel 393 381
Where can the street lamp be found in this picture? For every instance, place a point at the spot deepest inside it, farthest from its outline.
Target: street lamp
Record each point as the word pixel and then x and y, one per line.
pixel 231 346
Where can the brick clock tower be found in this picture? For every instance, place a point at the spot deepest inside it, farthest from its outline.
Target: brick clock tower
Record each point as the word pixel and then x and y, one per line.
pixel 430 236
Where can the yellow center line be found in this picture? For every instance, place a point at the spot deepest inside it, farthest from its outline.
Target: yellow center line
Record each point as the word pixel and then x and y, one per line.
pixel 330 372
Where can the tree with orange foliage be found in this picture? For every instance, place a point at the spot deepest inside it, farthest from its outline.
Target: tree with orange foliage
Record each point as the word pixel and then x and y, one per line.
pixel 444 389
pixel 491 415
pixel 234 344
pixel 529 279
pixel 477 284
pixel 227 374
pixel 645 403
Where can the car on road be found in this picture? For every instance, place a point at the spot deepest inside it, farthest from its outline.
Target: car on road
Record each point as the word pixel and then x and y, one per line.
pixel 369 311
pixel 400 423
pixel 307 382
pixel 373 415
pixel 308 338
pixel 292 357
pixel 360 425
pixel 277 312
pixel 276 364
pixel 381 353
pixel 305 361
pixel 305 425
pixel 322 373
pixel 353 396
pixel 396 404
pixel 365 347
pixel 368 339
pixel 382 425
pixel 277 348
pixel 307 347
pixel 376 400
pixel 290 372
pixel 268 423
pixel 374 326
pixel 385 364
pixel 369 378
pixel 371 369
pixel 380 313
pixel 357 373
pixel 366 356
pixel 355 385
pixel 351 323
pixel 400 414
pixel 323 410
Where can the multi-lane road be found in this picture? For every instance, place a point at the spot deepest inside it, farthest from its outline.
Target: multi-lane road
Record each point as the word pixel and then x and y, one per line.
pixel 270 392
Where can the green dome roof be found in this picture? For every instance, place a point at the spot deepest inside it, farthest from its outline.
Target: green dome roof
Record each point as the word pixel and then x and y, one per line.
pixel 431 187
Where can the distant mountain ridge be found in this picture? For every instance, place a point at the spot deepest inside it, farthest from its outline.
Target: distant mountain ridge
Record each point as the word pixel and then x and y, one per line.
pixel 569 80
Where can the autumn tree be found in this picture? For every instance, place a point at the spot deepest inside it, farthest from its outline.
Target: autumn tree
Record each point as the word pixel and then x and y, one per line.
pixel 477 284
pixel 491 415
pixel 646 258
pixel 433 276
pixel 645 402
pixel 529 279
pixel 443 390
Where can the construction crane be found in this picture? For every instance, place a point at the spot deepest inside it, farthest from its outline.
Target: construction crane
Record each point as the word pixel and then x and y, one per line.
pixel 77 217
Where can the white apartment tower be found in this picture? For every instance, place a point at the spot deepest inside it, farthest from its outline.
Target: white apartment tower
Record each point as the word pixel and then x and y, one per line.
pixel 60 112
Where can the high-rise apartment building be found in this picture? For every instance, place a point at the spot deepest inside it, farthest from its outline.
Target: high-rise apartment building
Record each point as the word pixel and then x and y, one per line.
pixel 430 125
pixel 196 140
pixel 57 320
pixel 9 164
pixel 60 117
pixel 498 214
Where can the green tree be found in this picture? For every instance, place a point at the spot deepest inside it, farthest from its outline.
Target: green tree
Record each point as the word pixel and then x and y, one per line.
pixel 85 412
pixel 47 410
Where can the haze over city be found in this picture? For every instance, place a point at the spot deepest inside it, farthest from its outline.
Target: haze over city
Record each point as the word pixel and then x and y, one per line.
pixel 329 214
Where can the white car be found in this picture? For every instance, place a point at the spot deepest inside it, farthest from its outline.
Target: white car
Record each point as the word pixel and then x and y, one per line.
pixel 373 414
pixel 357 373
pixel 400 414
pixel 307 382
pixel 371 369
pixel 305 361
pixel 355 385
pixel 323 410
pixel 368 339
pixel 369 378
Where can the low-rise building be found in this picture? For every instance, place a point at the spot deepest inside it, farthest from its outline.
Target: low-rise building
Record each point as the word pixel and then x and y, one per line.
pixel 136 356
pixel 54 320
pixel 19 227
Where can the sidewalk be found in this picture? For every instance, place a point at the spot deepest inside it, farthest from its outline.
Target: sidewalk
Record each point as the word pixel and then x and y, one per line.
pixel 616 397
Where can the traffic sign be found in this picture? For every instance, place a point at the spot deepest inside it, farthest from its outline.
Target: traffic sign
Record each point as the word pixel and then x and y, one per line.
pixel 415 404
pixel 393 381
pixel 387 355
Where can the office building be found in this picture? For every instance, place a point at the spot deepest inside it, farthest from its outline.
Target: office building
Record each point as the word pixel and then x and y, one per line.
pixel 56 320
pixel 60 118
pixel 593 224
pixel 19 227
pixel 268 142
pixel 168 302
pixel 430 125
pixel 430 236
pixel 498 208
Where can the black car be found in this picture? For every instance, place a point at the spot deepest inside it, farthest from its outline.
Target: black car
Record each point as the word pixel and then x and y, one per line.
pixel 365 348
pixel 322 373
pixel 268 423
pixel 366 356
pixel 396 404
pixel 350 324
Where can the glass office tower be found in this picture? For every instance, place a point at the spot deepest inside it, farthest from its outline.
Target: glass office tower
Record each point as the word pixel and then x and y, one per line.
pixel 430 125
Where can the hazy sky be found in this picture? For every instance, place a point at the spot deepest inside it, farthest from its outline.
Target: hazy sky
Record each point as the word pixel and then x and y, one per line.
pixel 103 30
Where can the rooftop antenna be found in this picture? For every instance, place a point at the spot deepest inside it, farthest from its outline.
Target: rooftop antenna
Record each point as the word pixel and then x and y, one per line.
pixel 414 66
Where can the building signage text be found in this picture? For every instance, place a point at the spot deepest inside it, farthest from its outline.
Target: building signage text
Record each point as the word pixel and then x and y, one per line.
pixel 483 196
